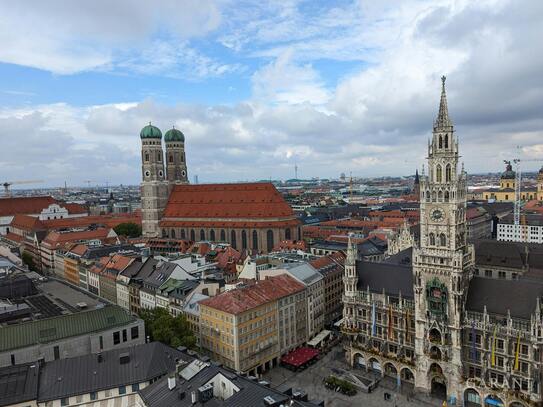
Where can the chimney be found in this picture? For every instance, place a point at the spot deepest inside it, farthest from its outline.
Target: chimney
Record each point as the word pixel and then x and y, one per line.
pixel 194 397
pixel 171 382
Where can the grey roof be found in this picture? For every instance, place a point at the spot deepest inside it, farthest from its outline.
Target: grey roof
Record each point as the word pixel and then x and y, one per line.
pixel 515 255
pixel 63 326
pixel 372 246
pixel 141 273
pixel 250 394
pixel 304 272
pixel 18 384
pixel 392 276
pixel 97 252
pixel 192 306
pixel 85 374
pixel 161 273
pixel 499 296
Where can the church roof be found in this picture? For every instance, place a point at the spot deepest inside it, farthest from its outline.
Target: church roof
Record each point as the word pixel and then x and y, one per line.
pixel 227 201
pixel 31 205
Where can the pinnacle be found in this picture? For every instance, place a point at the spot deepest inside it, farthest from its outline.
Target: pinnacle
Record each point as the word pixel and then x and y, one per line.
pixel 443 119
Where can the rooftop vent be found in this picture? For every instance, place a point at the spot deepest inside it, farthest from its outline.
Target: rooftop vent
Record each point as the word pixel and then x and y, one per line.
pixel 269 401
pixel 124 358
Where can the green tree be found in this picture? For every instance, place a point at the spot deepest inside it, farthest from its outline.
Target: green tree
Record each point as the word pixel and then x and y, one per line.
pixel 128 229
pixel 28 260
pixel 161 326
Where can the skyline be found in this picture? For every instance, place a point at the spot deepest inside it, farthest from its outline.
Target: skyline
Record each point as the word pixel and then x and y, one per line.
pixel 257 88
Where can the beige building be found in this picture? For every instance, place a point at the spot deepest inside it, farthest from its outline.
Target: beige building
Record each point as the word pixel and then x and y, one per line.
pixel 247 328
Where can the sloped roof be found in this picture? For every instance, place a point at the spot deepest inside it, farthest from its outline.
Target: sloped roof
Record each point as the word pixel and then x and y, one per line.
pixel 394 276
pixel 84 374
pixel 25 205
pixel 54 238
pixel 27 222
pixel 243 299
pixel 227 201
pixel 64 326
pixel 18 384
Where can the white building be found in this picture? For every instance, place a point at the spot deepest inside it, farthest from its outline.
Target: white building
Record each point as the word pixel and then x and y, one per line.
pixel 530 229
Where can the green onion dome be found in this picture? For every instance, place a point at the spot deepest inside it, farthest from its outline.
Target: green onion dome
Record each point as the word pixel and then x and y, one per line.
pixel 150 131
pixel 174 135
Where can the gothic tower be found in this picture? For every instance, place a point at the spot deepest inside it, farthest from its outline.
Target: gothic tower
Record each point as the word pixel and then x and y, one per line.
pixel 176 166
pixel 442 262
pixel 154 188
pixel 350 279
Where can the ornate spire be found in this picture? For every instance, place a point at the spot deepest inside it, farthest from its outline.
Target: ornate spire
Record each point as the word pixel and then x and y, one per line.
pixel 351 252
pixel 443 119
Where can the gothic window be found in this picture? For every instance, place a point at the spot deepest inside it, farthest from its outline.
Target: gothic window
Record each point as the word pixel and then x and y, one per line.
pixel 202 234
pixel 438 173
pixel 212 235
pixel 146 156
pixel 432 239
pixel 255 240
pixel 446 196
pixel 159 155
pixel 223 235
pixel 442 240
pixel 440 142
pixel 233 238
pixel 170 158
pixel 192 235
pixel 183 234
pixel 446 141
pixel 269 240
pixel 164 233
pixel 287 234
pixel 427 196
pixel 243 239
pixel 448 173
pixel 172 234
pixel 434 196
pixel 440 196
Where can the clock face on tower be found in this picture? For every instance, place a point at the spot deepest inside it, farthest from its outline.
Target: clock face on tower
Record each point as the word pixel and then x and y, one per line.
pixel 437 215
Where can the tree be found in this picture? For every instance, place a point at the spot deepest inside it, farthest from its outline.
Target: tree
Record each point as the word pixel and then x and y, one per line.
pixel 161 326
pixel 28 260
pixel 128 229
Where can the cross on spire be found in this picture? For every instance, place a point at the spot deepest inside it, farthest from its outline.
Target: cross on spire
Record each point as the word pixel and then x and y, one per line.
pixel 443 119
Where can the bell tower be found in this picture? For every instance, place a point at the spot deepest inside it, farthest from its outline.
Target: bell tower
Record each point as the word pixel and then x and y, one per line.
pixel 154 188
pixel 176 165
pixel 441 262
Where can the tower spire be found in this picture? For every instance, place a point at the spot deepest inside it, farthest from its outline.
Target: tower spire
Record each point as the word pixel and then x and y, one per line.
pixel 443 120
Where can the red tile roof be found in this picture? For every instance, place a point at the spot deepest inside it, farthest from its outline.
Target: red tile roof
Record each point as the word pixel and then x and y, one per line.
pixel 27 222
pixel 55 239
pixel 240 300
pixel 227 201
pixel 79 249
pixel 14 237
pixel 105 220
pixel 74 208
pixel 25 205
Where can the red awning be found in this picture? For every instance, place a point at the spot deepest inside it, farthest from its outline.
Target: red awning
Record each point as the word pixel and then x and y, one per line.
pixel 300 356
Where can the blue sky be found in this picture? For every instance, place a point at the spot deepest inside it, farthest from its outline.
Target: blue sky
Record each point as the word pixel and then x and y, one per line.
pixel 347 86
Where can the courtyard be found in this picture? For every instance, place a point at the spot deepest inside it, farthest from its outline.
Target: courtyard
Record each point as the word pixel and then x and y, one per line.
pixel 311 379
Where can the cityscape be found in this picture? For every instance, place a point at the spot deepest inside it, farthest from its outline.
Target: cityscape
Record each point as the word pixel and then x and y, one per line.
pixel 284 204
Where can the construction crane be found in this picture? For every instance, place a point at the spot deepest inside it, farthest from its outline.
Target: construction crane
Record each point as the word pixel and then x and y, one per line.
pixel 8 184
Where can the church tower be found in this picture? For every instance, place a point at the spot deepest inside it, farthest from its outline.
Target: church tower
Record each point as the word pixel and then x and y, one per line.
pixel 176 165
pixel 154 187
pixel 442 261
pixel 350 278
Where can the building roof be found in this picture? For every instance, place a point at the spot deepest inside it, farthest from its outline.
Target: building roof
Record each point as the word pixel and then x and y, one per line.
pixel 19 384
pixel 119 367
pixel 227 201
pixel 303 272
pixel 25 205
pixel 500 296
pixel 54 239
pixel 105 220
pixel 514 255
pixel 243 299
pixel 27 222
pixel 63 326
pixel 394 276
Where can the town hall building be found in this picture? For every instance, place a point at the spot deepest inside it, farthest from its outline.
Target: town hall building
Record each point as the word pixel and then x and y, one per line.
pixel 427 318
pixel 248 216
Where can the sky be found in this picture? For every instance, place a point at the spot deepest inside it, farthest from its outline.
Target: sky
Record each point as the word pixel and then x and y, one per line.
pixel 258 87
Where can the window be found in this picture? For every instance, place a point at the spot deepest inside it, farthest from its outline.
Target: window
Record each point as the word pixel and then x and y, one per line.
pixel 243 239
pixel 65 401
pixel 287 234
pixel 56 352
pixel 122 390
pixel 93 395
pixel 442 240
pixel 233 238
pixel 488 273
pixel 223 236
pixel 124 335
pixel 116 338
pixel 448 173
pixel 135 387
pixel 269 240
pixel 438 173
pixel 255 240
pixel 135 332
pixel 502 275
pixel 446 141
pixel 212 235
pixel 12 359
pixel 192 235
pixel 432 239
pixel 440 142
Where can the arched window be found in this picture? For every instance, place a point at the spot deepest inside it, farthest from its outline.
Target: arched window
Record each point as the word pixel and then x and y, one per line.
pixel 192 235
pixel 170 158
pixel 146 156
pixel 243 239
pixel 448 173
pixel 172 234
pixel 212 235
pixel 159 155
pixel 269 240
pixel 446 196
pixel 255 240
pixel 287 234
pixel 434 196
pixel 202 234
pixel 183 234
pixel 432 239
pixel 440 196
pixel 438 173
pixel 440 142
pixel 223 235
pixel 233 238
pixel 446 141
pixel 442 240
pixel 427 196
pixel 164 233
